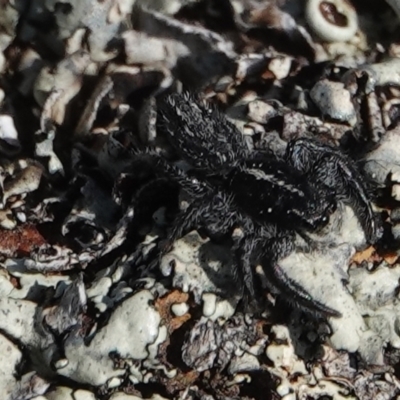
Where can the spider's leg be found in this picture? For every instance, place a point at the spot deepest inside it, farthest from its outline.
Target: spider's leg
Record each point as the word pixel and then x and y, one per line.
pixel 200 133
pixel 337 174
pixel 293 293
pixel 212 211
pixel 192 186
pixel 276 249
pixel 163 167
pixel 328 167
pixel 186 220
pixel 243 270
pixel 199 190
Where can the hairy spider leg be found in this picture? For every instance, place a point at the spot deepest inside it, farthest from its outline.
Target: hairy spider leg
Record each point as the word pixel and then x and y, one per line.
pixel 328 167
pixel 267 247
pixel 212 211
pixel 243 272
pixel 333 172
pixel 200 133
pixel 276 249
pixel 186 220
pixel 246 249
pixel 294 294
pixel 192 186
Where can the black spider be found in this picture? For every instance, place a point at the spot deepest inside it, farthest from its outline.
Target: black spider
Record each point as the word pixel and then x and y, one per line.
pixel 270 199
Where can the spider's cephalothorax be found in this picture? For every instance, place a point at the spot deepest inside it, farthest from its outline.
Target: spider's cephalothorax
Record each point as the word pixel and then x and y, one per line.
pixel 268 198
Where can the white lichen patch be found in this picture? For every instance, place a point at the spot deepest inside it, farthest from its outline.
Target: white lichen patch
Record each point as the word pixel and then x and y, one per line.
pixel 17 179
pixel 283 354
pixel 296 381
pixel 131 329
pixel 29 386
pixel 6 287
pixel 321 275
pixel 98 293
pixel 10 352
pixel 214 308
pixel 367 301
pixel 199 266
pixel 376 296
pixel 54 89
pixel 66 393
pixel 8 133
pixel 31 283
pixel 18 321
pixel 385 159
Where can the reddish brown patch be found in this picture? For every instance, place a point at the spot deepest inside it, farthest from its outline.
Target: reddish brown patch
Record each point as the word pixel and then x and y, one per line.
pixel 15 282
pixel 267 75
pixel 163 306
pixel 371 255
pixel 20 241
pixel 390 258
pixel 364 255
pixel 332 15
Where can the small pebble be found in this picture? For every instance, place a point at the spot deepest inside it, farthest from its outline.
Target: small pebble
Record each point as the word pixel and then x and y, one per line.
pixel 334 101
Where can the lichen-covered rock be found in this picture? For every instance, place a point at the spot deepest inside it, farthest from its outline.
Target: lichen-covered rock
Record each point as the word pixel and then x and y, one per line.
pixel 321 274
pixel 13 355
pixel 65 393
pixel 376 296
pixel 135 319
pixel 199 266
pixel 383 161
pixel 334 101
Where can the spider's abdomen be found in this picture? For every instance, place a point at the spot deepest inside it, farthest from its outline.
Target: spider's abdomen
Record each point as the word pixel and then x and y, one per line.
pixel 271 191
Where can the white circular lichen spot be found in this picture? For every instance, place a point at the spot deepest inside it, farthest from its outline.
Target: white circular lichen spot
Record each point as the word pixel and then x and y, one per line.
pixel 180 309
pixel 332 20
pixel 209 304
